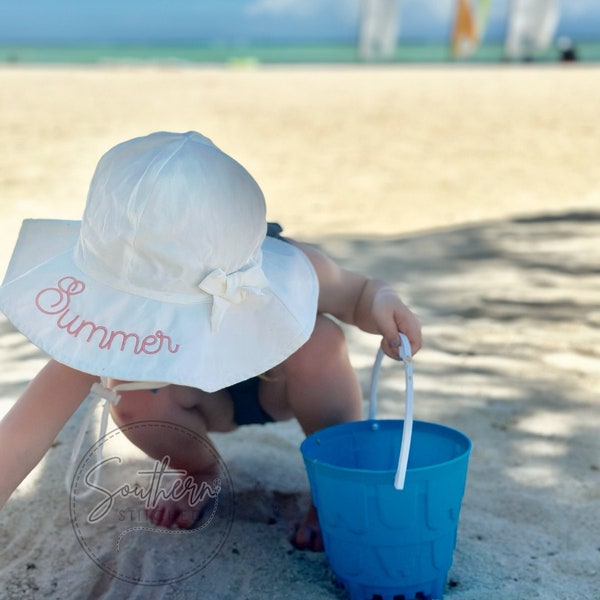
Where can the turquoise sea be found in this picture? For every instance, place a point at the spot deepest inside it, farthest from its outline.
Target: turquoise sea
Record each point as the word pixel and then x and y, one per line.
pixel 257 54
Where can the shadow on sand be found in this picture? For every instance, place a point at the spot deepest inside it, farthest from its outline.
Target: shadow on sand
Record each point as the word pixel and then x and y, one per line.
pixel 512 358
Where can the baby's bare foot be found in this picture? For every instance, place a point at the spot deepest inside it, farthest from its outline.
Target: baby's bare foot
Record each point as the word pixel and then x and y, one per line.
pixel 308 535
pixel 185 503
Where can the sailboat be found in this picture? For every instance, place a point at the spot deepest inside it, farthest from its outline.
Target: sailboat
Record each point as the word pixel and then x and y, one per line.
pixel 379 24
pixel 531 27
pixel 464 35
pixel 469 26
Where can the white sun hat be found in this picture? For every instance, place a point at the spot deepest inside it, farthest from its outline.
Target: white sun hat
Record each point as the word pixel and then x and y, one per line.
pixel 169 277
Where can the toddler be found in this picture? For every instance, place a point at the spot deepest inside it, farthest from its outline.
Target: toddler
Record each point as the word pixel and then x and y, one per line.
pixel 173 284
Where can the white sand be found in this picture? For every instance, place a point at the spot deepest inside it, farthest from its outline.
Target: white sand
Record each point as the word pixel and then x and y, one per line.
pixel 417 175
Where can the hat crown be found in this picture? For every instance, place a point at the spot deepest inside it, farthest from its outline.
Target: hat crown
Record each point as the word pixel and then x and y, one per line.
pixel 164 211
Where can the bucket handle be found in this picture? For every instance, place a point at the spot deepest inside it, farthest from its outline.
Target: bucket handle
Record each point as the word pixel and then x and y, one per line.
pixel 406 356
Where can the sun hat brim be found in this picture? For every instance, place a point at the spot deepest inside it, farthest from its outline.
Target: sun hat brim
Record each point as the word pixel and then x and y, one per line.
pixel 98 329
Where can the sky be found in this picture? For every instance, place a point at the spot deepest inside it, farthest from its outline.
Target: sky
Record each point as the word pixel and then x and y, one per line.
pixel 247 21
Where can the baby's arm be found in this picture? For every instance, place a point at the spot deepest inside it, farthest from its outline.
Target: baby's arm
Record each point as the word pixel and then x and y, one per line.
pixel 370 304
pixel 33 422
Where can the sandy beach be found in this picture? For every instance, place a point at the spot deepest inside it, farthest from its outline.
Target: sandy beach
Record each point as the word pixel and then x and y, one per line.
pixel 475 191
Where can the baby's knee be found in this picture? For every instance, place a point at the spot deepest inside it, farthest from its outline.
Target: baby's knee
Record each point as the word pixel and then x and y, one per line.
pixel 139 405
pixel 325 349
pixel 327 339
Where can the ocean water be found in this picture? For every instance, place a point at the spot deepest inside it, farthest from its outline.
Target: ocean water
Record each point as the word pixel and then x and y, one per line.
pixel 258 54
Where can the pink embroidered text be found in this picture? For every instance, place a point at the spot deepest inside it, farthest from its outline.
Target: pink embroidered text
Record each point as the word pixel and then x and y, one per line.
pixel 57 300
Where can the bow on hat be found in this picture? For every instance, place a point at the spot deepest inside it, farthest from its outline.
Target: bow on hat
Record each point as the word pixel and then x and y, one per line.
pixel 232 288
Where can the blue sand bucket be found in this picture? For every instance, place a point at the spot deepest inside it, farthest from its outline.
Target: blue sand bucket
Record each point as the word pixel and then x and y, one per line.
pixel 389 524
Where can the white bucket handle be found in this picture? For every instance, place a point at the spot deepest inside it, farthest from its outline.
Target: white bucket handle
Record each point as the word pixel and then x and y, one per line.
pixel 406 357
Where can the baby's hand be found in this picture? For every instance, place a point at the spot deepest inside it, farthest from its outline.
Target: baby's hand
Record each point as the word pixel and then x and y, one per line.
pixel 393 316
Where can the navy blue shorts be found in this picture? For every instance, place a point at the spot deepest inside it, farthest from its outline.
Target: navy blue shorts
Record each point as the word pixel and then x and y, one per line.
pixel 246 407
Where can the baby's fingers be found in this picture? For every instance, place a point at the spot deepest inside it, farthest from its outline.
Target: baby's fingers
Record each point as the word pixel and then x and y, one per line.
pixel 411 328
pixel 391 348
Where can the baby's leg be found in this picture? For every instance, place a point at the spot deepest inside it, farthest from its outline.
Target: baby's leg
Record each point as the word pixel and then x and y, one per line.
pixel 178 405
pixel 319 387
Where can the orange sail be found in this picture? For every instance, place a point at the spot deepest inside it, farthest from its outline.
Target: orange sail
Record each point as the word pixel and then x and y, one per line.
pixel 464 35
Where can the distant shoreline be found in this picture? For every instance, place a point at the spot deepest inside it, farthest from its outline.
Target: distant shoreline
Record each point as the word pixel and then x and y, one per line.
pixel 258 53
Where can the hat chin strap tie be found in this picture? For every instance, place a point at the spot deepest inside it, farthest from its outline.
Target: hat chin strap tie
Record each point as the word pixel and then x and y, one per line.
pixel 232 289
pixel 101 394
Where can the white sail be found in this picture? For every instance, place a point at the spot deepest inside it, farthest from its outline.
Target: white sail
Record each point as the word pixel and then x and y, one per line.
pixel 379 25
pixel 531 27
